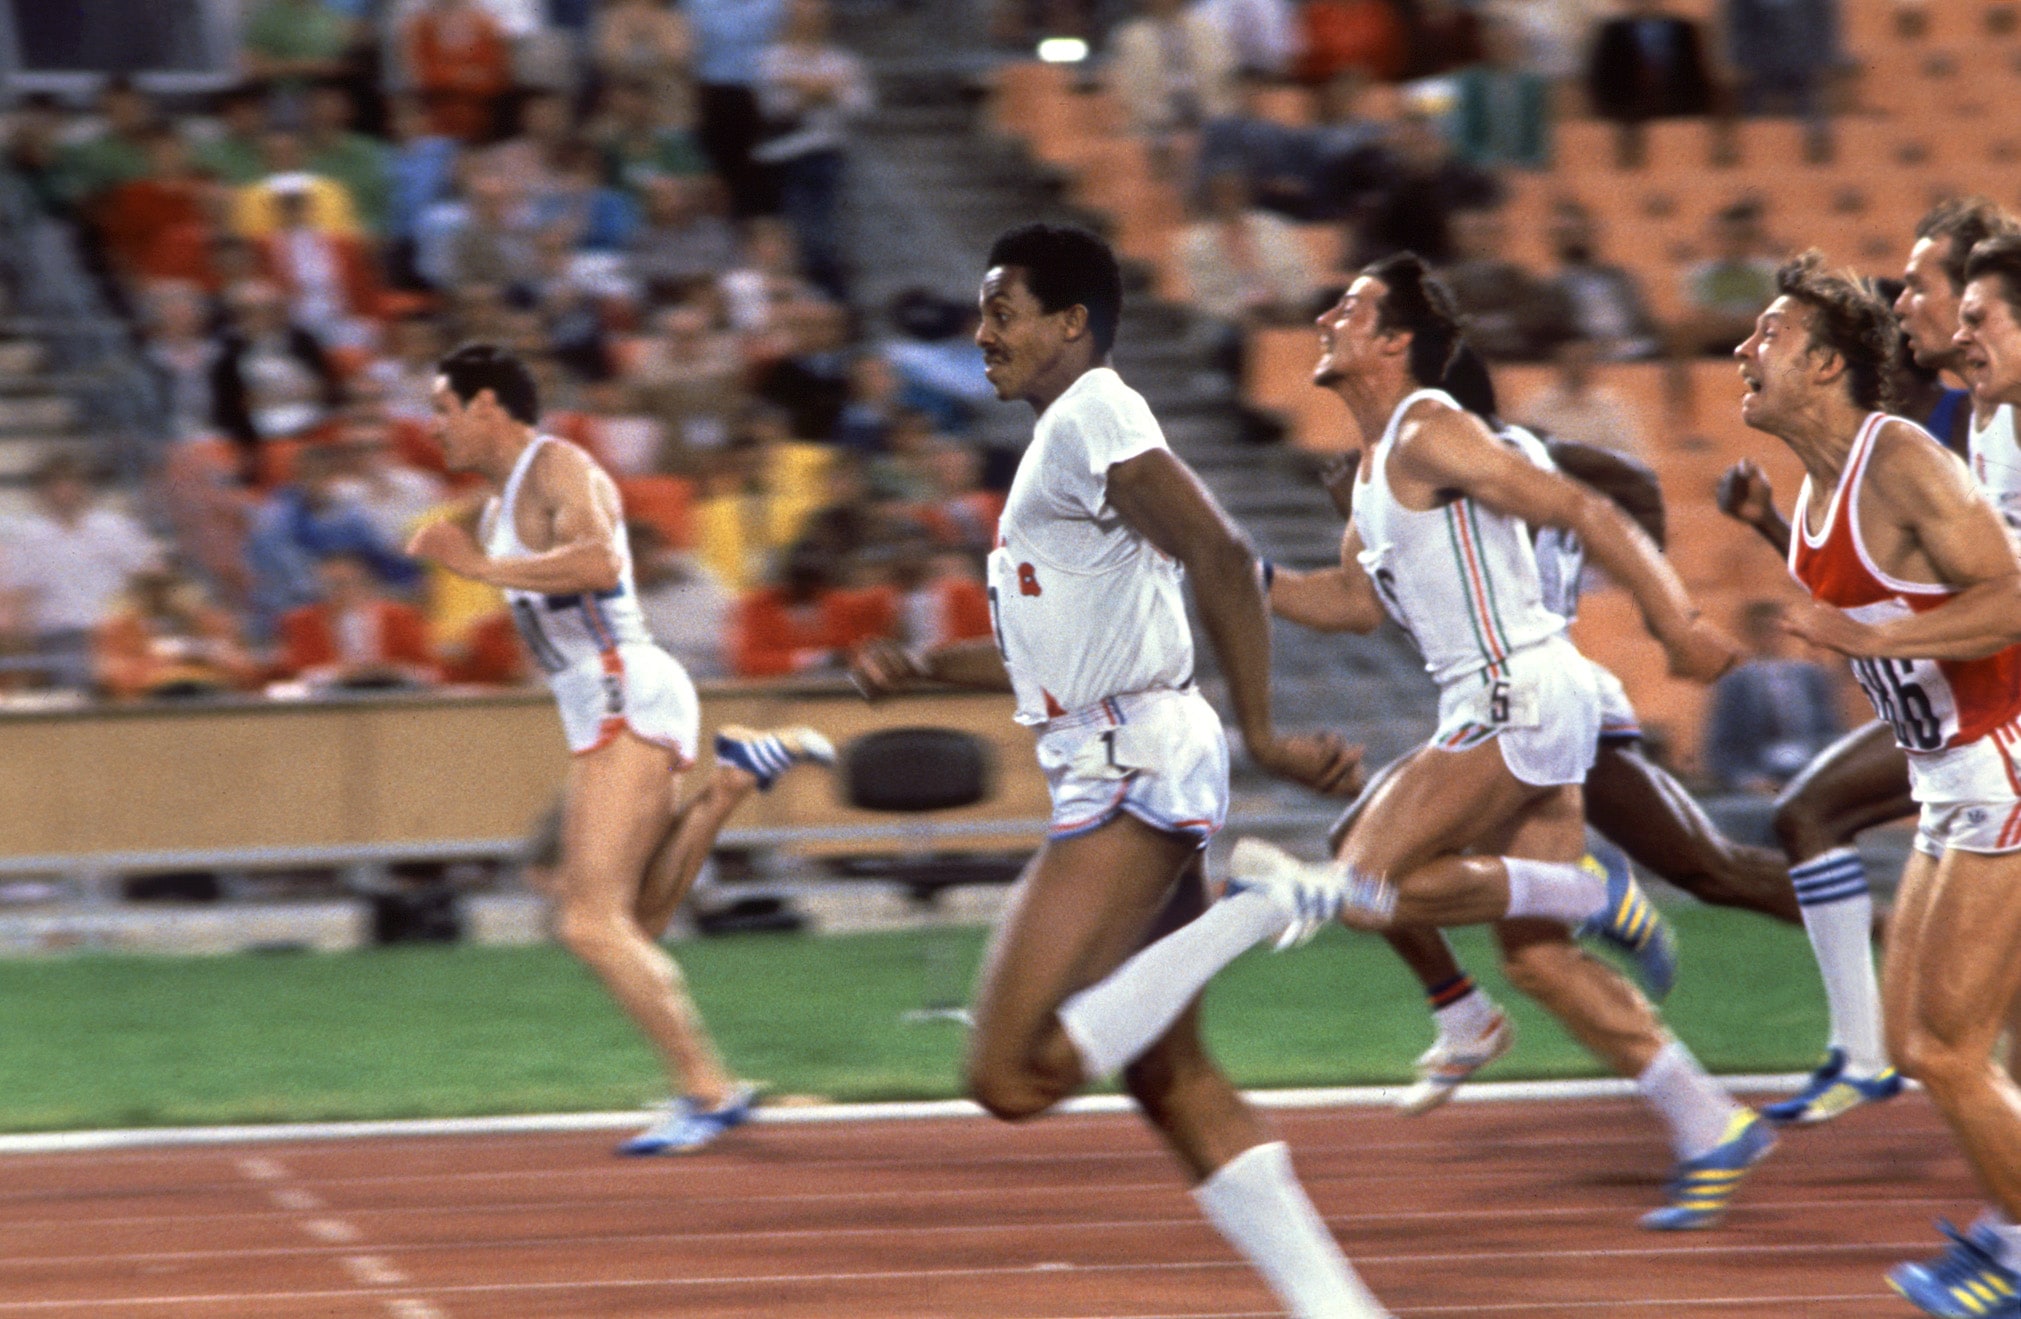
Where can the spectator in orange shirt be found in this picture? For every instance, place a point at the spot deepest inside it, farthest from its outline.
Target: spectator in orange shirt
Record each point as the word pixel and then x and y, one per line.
pixel 1365 36
pixel 354 637
pixel 943 599
pixel 461 62
pixel 151 225
pixel 808 623
pixel 164 639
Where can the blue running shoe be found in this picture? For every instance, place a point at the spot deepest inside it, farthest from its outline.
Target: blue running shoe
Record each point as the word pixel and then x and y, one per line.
pixel 1830 1092
pixel 1702 1187
pixel 686 1128
pixel 766 755
pixel 1968 1281
pixel 1631 923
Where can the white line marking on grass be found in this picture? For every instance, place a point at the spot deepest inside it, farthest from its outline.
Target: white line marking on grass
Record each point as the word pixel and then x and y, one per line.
pixel 373 1271
pixel 66 1142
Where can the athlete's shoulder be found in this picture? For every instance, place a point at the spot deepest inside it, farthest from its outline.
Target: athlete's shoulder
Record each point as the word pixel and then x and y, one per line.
pixel 1902 443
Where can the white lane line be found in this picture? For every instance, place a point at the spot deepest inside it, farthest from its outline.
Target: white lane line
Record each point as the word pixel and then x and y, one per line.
pixel 413 1307
pixel 689 1283
pixel 1752 1203
pixel 373 1271
pixel 801 1237
pixel 57 1142
pixel 333 1230
pixel 296 1199
pixel 263 1170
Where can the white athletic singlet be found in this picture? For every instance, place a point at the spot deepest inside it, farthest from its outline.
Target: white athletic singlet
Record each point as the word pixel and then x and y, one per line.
pixel 562 630
pixel 1996 463
pixel 1085 608
pixel 1461 579
pixel 1561 556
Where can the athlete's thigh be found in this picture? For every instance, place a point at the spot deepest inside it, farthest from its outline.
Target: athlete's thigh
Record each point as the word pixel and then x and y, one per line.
pixel 1438 803
pixel 1903 955
pixel 1969 945
pixel 1645 812
pixel 1337 835
pixel 1857 782
pixel 1081 907
pixel 1551 827
pixel 619 799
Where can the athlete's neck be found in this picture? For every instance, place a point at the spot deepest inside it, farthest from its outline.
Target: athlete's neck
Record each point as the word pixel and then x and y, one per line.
pixel 1046 387
pixel 1822 436
pixel 1984 409
pixel 1373 401
pixel 502 455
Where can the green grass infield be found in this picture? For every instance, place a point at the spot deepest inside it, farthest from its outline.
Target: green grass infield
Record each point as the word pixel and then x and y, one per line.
pixel 102 1041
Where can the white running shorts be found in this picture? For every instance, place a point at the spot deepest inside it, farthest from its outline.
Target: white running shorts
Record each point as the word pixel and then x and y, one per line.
pixel 1158 755
pixel 636 686
pixel 1542 705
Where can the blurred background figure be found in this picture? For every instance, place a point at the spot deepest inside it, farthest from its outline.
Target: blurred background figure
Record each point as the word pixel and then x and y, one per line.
pixel 355 637
pixel 1647 64
pixel 1772 713
pixel 162 638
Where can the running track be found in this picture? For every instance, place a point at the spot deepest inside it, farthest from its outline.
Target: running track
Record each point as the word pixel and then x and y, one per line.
pixel 1484 1209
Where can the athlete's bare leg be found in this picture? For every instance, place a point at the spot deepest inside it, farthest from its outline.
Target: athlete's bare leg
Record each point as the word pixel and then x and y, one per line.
pixel 1953 968
pixel 1650 816
pixel 1857 782
pixel 620 800
pixel 1080 909
pixel 1183 1093
pixel 1423 949
pixel 686 845
pixel 1435 806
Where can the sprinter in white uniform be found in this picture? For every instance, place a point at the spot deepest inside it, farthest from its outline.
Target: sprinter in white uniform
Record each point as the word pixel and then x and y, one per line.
pixel 1630 800
pixel 554 542
pixel 1091 635
pixel 1440 542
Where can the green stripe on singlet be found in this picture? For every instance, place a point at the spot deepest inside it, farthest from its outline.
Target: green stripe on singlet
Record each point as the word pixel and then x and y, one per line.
pixel 1501 629
pixel 1466 578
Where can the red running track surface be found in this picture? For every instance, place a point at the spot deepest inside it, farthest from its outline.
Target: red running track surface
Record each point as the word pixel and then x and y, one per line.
pixel 1491 1209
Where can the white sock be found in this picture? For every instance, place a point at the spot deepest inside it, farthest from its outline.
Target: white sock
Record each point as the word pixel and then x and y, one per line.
pixel 1838 914
pixel 1255 1201
pixel 2009 1235
pixel 1690 1103
pixel 1558 891
pixel 1469 1016
pixel 1113 1021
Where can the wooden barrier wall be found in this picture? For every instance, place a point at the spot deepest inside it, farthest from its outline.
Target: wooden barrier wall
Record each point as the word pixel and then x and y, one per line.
pixel 409 769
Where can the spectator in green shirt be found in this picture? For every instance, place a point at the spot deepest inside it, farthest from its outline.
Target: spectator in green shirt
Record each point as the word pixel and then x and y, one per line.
pixel 89 169
pixel 234 155
pixel 293 42
pixel 641 143
pixel 358 162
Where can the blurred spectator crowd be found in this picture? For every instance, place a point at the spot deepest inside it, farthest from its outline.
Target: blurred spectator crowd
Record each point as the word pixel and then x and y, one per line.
pixel 641 199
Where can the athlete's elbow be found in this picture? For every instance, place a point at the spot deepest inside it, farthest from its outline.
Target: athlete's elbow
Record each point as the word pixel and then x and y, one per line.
pixel 604 571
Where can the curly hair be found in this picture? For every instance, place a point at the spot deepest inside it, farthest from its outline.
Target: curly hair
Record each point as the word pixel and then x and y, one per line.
pixel 1961 224
pixel 1848 319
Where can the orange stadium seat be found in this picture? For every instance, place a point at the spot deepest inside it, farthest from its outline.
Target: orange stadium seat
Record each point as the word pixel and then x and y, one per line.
pixel 665 503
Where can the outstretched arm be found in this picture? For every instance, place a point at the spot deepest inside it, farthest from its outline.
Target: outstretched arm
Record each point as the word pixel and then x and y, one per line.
pixel 1339 599
pixel 1632 485
pixel 1163 500
pixel 1451 450
pixel 880 668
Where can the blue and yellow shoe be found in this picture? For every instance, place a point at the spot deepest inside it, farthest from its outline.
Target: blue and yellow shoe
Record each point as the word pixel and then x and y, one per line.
pixel 1968 1281
pixel 1702 1187
pixel 766 755
pixel 1830 1092
pixel 1631 923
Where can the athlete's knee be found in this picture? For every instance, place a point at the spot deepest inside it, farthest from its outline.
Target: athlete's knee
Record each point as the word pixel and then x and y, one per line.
pixel 591 933
pixel 1010 1092
pixel 1540 969
pixel 1802 825
pixel 1944 1066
